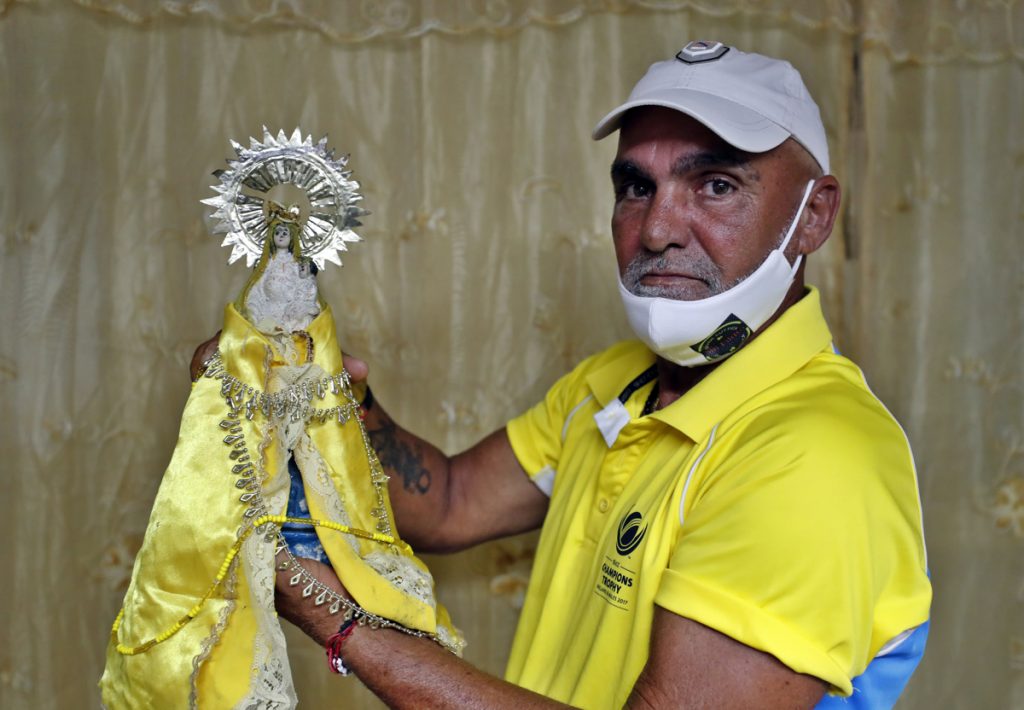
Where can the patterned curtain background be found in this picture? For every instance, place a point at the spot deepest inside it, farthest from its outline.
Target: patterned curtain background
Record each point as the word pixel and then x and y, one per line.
pixel 487 269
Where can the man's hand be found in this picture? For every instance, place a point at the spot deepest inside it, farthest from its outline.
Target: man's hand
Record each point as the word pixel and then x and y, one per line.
pixel 203 353
pixel 358 370
pixel 314 619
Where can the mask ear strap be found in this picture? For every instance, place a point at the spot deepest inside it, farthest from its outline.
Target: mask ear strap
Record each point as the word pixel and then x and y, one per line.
pixel 796 220
pixel 799 211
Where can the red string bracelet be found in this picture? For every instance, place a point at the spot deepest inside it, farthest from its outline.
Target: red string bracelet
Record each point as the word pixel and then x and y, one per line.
pixel 334 643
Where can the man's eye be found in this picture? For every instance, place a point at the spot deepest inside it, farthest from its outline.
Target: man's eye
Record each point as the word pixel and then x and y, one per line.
pixel 634 191
pixel 719 187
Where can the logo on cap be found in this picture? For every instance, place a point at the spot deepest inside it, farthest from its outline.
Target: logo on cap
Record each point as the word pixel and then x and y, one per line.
pixel 701 51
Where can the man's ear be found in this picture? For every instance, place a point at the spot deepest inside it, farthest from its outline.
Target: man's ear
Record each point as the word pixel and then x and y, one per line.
pixel 819 215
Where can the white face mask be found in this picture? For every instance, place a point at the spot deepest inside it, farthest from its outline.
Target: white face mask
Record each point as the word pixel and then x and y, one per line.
pixel 692 333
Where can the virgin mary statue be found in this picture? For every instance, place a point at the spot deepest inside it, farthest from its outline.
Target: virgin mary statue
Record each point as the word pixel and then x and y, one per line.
pixel 272 461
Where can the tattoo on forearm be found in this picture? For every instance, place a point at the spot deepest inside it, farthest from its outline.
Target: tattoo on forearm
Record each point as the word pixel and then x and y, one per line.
pixel 400 457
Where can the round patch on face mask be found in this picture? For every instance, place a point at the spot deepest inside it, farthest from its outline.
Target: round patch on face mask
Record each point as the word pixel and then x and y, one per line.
pixel 727 339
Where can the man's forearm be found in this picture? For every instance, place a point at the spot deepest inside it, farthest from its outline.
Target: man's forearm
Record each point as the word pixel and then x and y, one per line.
pixel 409 672
pixel 419 477
pixel 444 504
pixel 404 671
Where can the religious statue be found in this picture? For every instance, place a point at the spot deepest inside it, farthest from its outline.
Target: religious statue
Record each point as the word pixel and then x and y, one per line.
pixel 272 462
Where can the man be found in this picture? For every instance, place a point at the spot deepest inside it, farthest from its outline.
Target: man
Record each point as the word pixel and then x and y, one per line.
pixel 729 517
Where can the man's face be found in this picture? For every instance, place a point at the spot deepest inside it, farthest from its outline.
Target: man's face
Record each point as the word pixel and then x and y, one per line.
pixel 693 215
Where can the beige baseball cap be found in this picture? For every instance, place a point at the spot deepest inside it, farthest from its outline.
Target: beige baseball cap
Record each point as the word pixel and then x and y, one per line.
pixel 752 101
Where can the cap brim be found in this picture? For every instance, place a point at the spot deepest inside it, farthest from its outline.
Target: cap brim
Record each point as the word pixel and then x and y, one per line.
pixel 737 125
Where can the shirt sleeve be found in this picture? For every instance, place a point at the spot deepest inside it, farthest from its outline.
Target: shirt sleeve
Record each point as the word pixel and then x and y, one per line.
pixel 801 537
pixel 536 439
pixel 537 435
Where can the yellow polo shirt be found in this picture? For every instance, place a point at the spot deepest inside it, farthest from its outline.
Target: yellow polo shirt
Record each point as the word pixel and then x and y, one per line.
pixel 775 502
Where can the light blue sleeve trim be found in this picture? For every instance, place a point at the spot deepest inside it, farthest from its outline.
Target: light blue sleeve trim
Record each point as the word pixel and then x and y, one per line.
pixel 882 682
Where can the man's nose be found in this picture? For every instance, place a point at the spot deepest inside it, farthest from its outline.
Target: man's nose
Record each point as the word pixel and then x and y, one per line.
pixel 668 221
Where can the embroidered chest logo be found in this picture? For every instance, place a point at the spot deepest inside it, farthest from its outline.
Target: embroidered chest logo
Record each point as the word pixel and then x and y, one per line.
pixel 630 533
pixel 617 579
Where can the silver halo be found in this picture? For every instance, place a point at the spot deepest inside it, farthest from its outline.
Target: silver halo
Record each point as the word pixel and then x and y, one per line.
pixel 240 205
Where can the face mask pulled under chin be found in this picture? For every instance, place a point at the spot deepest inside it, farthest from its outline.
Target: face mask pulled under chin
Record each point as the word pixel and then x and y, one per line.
pixel 694 333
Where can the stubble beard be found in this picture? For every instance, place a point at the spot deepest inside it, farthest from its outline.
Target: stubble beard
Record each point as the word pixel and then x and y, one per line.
pixel 706 276
pixel 707 279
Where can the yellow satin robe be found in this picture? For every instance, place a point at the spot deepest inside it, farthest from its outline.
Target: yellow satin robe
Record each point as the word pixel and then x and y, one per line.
pixel 214 660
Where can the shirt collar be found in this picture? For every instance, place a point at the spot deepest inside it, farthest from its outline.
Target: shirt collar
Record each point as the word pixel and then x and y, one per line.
pixel 783 348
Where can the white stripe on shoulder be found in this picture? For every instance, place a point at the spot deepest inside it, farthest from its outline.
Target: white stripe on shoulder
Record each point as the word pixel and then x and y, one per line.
pixel 545 480
pixel 913 464
pixel 689 476
pixel 572 413
pixel 895 642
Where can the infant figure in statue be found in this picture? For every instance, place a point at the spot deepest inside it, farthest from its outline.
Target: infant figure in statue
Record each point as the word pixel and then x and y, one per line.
pixel 272 463
pixel 283 298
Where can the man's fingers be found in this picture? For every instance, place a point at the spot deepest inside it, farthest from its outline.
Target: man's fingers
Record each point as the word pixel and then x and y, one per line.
pixel 201 355
pixel 357 369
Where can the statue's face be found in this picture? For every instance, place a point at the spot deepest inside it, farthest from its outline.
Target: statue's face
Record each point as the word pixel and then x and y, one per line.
pixel 282 237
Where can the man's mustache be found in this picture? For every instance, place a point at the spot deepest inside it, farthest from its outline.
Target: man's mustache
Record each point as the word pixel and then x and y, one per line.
pixel 671 262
